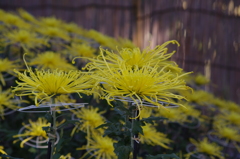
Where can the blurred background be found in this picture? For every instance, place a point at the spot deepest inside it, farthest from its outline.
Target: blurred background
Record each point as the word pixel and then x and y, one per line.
pixel 207 30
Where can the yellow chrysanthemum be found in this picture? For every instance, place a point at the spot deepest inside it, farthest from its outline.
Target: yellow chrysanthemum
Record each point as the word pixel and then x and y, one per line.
pixel 68 156
pixel 82 50
pixel 51 60
pixel 46 84
pixel 227 132
pixel 2 150
pixel 135 57
pixel 25 39
pixel 99 147
pixel 6 66
pixel 206 147
pixel 34 130
pixel 53 32
pixel 153 137
pixel 89 119
pixel 189 110
pixel 6 101
pixel 145 84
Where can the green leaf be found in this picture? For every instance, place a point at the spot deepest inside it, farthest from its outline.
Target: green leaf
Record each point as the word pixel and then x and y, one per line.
pixel 122 151
pixel 56 156
pixel 137 128
pixel 163 156
pixel 10 157
pixel 67 122
pixel 48 116
pixel 47 129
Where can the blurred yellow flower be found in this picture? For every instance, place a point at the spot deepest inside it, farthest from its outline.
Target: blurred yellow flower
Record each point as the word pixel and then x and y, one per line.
pixel 27 16
pixel 153 137
pixel 204 146
pixel 2 151
pixel 25 39
pixel 46 84
pixel 201 80
pixel 50 22
pixel 199 96
pixel 82 50
pixel 12 20
pixel 102 39
pixel 126 43
pixel 226 132
pixel 99 147
pixel 89 119
pixel 68 156
pixel 34 130
pixel 6 66
pixel 53 32
pixel 6 101
pixel 173 115
pixel 51 60
pixel 230 117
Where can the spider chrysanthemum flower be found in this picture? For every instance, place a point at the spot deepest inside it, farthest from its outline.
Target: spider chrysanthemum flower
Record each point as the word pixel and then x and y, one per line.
pixel 49 83
pixel 204 146
pixel 153 137
pixel 89 119
pixel 25 39
pixel 141 84
pixel 6 66
pixel 135 57
pixel 51 60
pixel 34 129
pixel 99 147
pixel 6 101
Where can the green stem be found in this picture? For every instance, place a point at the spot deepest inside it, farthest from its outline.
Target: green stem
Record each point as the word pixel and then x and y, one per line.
pixel 54 128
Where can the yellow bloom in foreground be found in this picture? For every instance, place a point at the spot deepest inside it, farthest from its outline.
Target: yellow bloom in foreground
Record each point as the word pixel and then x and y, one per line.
pixel 6 66
pixel 99 147
pixel 153 137
pixel 206 147
pixel 34 130
pixel 146 84
pixel 6 101
pixel 89 119
pixel 46 84
pixel 51 60
pixel 2 151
